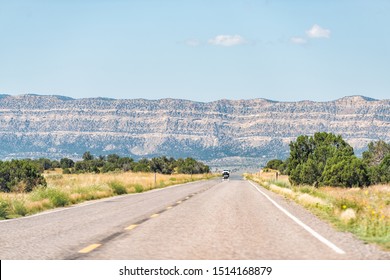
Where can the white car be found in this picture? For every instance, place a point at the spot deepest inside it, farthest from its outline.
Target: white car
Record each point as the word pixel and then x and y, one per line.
pixel 226 174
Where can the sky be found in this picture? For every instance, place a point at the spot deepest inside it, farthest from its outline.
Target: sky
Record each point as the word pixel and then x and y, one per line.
pixel 202 50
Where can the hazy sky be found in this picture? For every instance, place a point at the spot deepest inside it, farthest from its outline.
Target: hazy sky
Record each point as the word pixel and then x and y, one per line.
pixel 193 49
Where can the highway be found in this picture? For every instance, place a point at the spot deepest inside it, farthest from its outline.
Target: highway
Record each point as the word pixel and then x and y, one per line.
pixel 215 219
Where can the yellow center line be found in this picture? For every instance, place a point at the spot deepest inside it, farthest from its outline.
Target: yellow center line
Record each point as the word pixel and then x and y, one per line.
pixel 154 216
pixel 169 207
pixel 89 248
pixel 131 227
pixel 178 202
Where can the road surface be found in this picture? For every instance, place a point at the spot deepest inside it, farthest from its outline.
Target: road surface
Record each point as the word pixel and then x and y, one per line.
pixel 214 219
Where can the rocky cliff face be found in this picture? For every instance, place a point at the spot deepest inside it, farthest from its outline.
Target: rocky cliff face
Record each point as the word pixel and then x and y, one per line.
pixel 57 126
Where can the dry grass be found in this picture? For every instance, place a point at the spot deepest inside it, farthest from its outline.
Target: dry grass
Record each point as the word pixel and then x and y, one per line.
pixel 271 175
pixel 362 211
pixel 309 200
pixel 67 189
pixel 280 190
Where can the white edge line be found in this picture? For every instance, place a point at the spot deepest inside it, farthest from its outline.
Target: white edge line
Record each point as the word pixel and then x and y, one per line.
pixel 299 222
pixel 91 202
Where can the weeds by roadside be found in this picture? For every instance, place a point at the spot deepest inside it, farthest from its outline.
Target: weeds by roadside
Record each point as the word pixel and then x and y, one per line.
pixel 364 212
pixel 67 189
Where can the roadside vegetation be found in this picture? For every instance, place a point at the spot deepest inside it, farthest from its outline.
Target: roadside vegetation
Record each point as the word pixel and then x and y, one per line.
pixel 323 174
pixel 30 186
pixel 364 212
pixel 68 189
pixel 325 159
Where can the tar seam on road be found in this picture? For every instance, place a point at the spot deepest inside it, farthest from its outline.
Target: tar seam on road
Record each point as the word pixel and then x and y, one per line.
pixel 92 247
pixel 299 222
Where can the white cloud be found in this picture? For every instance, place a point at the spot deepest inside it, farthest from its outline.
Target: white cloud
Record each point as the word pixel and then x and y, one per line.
pixel 227 40
pixel 298 40
pixel 318 32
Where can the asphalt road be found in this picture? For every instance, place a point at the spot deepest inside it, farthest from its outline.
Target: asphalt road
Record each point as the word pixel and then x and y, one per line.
pixel 214 219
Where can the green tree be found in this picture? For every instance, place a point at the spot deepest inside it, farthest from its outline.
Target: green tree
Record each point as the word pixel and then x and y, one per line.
pixel 274 164
pixel 345 171
pixel 20 175
pixel 310 172
pixel 309 156
pixel 162 165
pixel 113 158
pixel 66 163
pixel 191 166
pixel 142 166
pixel 88 156
pixel 45 163
pixel 126 163
pixel 384 170
pixel 376 152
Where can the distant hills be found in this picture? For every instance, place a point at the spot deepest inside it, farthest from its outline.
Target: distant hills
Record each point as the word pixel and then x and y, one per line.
pixel 224 132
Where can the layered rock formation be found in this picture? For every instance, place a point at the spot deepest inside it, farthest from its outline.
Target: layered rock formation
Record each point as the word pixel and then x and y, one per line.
pixel 57 126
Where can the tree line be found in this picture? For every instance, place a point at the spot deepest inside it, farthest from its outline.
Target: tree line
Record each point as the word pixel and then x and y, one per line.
pixel 25 174
pixel 325 159
pixel 114 162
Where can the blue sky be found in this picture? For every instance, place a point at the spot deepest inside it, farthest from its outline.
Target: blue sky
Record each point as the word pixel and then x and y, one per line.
pixel 198 50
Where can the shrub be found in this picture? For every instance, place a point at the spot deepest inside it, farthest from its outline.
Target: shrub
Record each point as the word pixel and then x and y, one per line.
pixel 117 188
pixel 325 159
pixel 66 163
pixel 17 209
pixel 3 209
pixel 66 171
pixel 20 175
pixel 57 197
pixel 138 188
pixel 276 164
pixel 348 171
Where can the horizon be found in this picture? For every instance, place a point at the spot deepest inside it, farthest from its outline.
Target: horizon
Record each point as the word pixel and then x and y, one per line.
pixel 196 50
pixel 366 98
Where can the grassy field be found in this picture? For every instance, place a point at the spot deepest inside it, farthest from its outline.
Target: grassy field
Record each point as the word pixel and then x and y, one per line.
pixel 363 211
pixel 68 189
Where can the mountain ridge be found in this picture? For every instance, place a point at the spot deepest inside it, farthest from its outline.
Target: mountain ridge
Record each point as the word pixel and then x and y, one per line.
pixel 256 129
pixel 68 98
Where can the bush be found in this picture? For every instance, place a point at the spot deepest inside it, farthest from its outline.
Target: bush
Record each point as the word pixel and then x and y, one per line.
pixel 384 169
pixel 346 171
pixel 66 163
pixel 138 188
pixel 326 159
pixel 117 188
pixel 3 209
pixel 57 197
pixel 66 171
pixel 276 164
pixel 20 175
pixel 17 209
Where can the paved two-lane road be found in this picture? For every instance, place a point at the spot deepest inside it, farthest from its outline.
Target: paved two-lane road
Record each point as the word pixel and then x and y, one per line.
pixel 213 219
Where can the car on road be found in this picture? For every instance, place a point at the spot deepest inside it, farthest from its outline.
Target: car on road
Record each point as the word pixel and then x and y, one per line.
pixel 225 174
